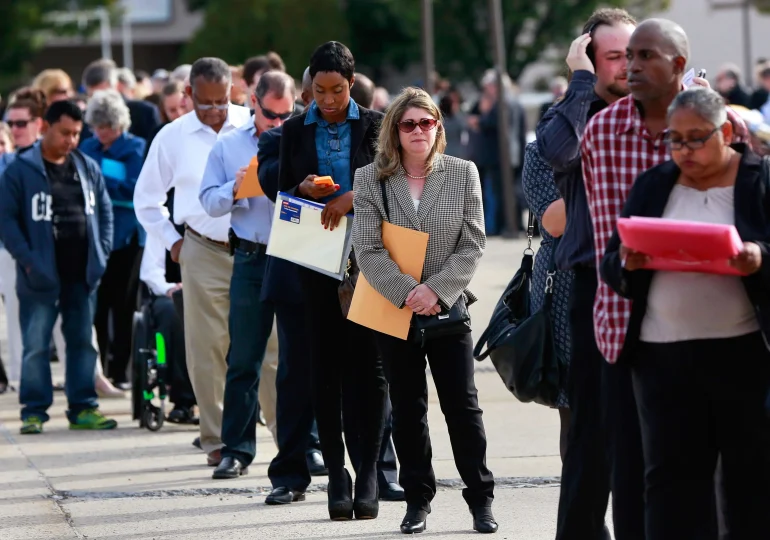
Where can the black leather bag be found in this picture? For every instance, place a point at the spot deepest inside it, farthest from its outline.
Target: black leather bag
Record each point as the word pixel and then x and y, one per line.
pixel 520 343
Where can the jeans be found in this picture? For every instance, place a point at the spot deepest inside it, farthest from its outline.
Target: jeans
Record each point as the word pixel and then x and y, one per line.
pixel 76 305
pixel 251 322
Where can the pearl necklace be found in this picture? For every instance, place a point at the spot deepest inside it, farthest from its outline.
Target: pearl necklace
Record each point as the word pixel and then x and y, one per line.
pixel 415 177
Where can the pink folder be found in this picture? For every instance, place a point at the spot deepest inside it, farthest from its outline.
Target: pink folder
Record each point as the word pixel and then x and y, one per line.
pixel 682 246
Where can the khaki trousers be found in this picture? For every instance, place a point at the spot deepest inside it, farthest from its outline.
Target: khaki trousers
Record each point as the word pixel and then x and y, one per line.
pixel 206 272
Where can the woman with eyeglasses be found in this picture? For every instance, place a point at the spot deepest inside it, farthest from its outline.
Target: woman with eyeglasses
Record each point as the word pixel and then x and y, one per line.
pixel 699 342
pixel 334 137
pixel 413 184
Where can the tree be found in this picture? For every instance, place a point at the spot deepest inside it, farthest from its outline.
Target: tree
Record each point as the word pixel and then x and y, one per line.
pixel 388 32
pixel 24 27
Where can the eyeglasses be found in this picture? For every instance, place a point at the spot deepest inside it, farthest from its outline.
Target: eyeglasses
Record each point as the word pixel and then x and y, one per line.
pixel 426 124
pixel 694 144
pixel 21 124
pixel 207 107
pixel 270 115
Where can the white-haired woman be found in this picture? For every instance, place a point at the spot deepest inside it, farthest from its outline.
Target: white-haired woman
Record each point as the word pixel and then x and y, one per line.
pixel 414 185
pixel 120 155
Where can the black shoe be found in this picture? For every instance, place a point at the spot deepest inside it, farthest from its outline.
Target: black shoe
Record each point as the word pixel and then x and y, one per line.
pixel 283 495
pixel 229 467
pixel 391 491
pixel 483 520
pixel 315 463
pixel 197 443
pixel 340 493
pixel 182 415
pixel 415 520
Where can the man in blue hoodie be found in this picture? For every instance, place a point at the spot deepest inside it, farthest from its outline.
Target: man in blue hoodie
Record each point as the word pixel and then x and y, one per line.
pixel 57 225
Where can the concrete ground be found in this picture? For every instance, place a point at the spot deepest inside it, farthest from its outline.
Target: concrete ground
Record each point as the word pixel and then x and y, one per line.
pixel 135 484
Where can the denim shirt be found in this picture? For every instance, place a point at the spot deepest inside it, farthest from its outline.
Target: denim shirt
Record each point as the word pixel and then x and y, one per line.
pixel 333 146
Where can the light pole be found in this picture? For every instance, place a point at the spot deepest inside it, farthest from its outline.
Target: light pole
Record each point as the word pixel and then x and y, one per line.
pixel 428 51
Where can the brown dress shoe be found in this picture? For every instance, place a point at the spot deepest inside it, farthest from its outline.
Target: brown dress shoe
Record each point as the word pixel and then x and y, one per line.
pixel 214 458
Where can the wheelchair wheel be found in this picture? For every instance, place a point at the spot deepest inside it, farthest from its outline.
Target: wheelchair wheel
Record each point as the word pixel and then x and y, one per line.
pixel 139 342
pixel 153 417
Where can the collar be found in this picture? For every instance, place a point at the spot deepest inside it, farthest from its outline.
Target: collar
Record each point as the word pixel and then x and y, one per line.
pixel 630 119
pixel 193 124
pixel 249 127
pixel 314 115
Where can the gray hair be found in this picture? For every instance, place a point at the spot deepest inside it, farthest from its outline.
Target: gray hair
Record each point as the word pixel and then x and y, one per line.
pixel 100 71
pixel 107 108
pixel 277 83
pixel 126 77
pixel 181 73
pixel 704 102
pixel 211 69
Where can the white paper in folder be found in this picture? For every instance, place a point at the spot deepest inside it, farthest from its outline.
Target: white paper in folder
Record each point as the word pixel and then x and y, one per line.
pixel 298 236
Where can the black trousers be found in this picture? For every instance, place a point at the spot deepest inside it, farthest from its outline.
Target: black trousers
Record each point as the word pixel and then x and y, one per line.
pixel 452 366
pixel 117 297
pixel 339 350
pixel 169 324
pixel 387 468
pixel 294 407
pixel 585 477
pixel 698 400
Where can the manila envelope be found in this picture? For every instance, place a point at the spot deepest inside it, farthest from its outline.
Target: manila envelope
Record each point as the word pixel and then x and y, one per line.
pixel 369 308
pixel 250 187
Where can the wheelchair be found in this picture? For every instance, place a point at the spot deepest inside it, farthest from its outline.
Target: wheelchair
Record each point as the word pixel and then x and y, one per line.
pixel 150 373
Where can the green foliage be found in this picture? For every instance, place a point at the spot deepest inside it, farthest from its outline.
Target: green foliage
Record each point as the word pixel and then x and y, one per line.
pixel 388 32
pixel 24 27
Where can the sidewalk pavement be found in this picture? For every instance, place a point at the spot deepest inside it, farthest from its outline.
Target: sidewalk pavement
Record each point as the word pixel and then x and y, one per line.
pixel 135 484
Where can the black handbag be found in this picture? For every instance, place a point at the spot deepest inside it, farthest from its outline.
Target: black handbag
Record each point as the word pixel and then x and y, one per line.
pixel 520 343
pixel 448 322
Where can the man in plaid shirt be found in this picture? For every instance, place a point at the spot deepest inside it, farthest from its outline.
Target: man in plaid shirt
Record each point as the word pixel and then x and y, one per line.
pixel 619 144
pixel 623 141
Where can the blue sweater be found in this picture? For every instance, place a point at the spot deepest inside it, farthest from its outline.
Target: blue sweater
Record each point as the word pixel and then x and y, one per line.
pixel 27 231
pixel 121 164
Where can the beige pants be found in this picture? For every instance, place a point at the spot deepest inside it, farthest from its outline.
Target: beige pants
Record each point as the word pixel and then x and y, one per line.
pixel 206 273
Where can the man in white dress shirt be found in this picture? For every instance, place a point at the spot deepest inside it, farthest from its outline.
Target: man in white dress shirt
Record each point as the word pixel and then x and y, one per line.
pixel 177 159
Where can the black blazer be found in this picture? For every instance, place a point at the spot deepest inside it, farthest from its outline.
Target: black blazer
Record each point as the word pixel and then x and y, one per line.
pixel 145 118
pixel 298 151
pixel 648 198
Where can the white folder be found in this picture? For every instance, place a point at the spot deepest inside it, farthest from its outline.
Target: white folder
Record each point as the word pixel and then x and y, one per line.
pixel 297 235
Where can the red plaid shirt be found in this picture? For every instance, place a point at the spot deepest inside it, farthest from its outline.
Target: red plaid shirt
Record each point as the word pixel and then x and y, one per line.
pixel 616 148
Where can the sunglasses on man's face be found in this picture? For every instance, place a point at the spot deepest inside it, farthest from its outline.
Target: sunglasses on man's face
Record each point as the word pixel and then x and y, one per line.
pixel 271 115
pixel 21 124
pixel 426 124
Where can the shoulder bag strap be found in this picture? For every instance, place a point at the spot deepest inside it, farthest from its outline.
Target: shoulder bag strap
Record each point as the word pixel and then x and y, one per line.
pixel 385 199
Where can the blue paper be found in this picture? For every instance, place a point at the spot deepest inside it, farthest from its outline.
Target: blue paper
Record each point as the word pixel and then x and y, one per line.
pixel 114 169
pixel 290 211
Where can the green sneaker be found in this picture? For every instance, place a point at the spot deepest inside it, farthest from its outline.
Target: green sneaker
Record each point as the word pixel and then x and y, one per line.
pixel 32 425
pixel 93 419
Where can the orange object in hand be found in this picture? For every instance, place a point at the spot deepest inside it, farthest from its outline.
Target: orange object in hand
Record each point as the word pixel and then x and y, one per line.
pixel 323 181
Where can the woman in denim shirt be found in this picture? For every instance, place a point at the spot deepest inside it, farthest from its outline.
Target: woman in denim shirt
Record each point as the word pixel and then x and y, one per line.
pixel 334 137
pixel 120 156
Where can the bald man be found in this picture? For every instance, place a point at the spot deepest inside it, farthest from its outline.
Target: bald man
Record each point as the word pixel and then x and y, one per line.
pixel 619 144
pixel 363 91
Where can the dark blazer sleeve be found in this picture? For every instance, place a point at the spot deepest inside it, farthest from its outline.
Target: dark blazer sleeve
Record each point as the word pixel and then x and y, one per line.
pixel 290 138
pixel 268 157
pixel 764 247
pixel 145 118
pixel 611 270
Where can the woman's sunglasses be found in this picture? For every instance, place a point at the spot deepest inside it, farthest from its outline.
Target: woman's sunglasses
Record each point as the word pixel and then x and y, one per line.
pixel 408 126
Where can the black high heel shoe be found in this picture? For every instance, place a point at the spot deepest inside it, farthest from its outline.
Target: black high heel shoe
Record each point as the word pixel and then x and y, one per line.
pixel 340 491
pixel 366 504
pixel 416 520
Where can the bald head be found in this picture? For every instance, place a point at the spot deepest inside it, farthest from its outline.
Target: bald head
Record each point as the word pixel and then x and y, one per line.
pixel 362 91
pixel 670 37
pixel 307 87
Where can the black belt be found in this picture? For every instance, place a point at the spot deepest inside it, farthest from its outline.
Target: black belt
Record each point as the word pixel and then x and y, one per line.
pixel 243 245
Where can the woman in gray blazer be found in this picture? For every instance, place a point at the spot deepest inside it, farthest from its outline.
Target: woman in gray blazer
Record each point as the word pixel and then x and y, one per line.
pixel 440 195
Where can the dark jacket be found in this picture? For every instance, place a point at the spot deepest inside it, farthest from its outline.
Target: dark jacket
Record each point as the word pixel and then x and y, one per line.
pixel 759 99
pixel 282 278
pixel 648 198
pixel 487 152
pixel 128 150
pixel 298 157
pixel 558 139
pixel 27 231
